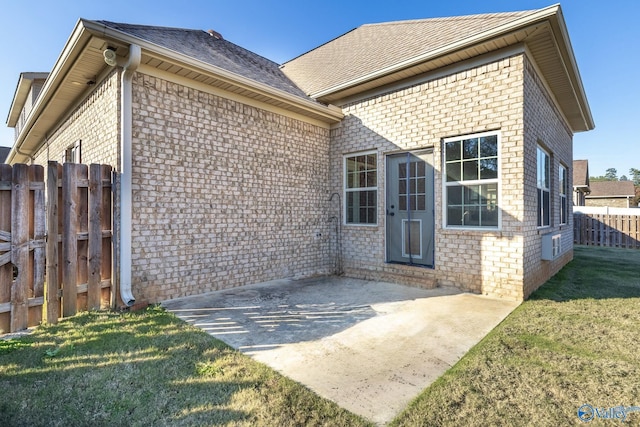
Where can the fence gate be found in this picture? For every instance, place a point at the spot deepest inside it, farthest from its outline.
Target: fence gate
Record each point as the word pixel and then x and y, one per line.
pixel 55 242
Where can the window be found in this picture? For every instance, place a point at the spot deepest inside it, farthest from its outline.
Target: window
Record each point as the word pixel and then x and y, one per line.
pixel 563 191
pixel 471 180
pixel 361 188
pixel 544 188
pixel 72 153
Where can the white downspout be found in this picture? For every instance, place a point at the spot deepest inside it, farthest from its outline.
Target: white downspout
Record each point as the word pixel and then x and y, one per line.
pixel 126 211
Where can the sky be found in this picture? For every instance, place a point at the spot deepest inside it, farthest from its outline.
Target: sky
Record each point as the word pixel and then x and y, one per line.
pixel 605 37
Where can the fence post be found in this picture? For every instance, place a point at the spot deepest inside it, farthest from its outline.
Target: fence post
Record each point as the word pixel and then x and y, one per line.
pixel 94 290
pixel 69 240
pixel 107 235
pixel 6 268
pixel 38 216
pixel 53 285
pixel 20 247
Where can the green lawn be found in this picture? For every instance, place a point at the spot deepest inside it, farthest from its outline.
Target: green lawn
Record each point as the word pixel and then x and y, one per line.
pixel 574 342
pixel 146 369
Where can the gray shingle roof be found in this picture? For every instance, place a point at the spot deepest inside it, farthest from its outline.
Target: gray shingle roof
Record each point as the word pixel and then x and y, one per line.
pixel 221 53
pixel 374 47
pixel 580 173
pixel 4 152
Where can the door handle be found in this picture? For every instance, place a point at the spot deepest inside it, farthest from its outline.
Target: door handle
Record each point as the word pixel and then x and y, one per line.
pixel 390 213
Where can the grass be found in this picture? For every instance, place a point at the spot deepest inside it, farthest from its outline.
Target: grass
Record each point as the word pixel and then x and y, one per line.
pixel 574 342
pixel 148 368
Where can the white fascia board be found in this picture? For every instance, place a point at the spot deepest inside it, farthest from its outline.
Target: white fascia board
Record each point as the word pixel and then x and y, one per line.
pixel 565 49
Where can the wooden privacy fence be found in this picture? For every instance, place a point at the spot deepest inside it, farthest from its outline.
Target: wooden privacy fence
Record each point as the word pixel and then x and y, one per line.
pixel 55 242
pixel 615 230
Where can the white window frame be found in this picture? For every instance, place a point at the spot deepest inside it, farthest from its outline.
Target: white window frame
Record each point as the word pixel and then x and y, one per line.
pixel 563 191
pixel 72 154
pixel 347 191
pixel 497 180
pixel 542 188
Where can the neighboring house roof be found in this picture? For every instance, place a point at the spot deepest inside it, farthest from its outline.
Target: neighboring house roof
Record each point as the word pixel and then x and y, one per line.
pixel 612 189
pixel 21 94
pixel 373 56
pixel 212 49
pixel 4 152
pixel 581 174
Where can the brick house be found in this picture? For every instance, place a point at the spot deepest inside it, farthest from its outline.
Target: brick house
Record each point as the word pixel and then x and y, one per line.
pixel 615 194
pixel 428 152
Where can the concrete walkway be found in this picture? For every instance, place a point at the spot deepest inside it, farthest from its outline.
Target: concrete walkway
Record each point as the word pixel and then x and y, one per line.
pixel 369 346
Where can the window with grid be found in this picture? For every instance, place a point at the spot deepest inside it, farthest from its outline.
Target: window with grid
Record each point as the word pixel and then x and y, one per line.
pixel 471 180
pixel 72 153
pixel 361 188
pixel 563 191
pixel 544 188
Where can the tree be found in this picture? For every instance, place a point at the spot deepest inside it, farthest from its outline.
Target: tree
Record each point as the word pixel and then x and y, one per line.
pixel 611 174
pixel 635 175
pixel 624 178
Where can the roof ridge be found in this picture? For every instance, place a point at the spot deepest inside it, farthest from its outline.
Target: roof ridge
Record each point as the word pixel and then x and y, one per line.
pixel 156 27
pixel 121 26
pixel 457 18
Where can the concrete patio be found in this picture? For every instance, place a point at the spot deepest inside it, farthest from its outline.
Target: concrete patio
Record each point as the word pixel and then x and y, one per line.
pixel 369 346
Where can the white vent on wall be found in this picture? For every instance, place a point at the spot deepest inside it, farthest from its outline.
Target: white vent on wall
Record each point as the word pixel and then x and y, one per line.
pixel 551 245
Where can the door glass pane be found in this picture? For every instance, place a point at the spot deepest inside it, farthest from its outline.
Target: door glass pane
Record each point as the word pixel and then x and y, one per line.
pixel 402 186
pixel 402 170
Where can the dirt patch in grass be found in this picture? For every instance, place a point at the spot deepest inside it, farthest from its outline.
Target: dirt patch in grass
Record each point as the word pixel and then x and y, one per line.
pixel 143 369
pixel 574 342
